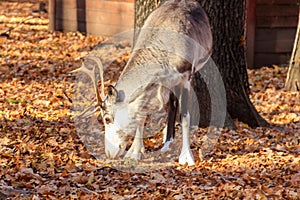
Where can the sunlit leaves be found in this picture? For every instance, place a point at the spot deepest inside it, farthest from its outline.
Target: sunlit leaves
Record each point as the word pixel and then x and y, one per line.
pixel 41 156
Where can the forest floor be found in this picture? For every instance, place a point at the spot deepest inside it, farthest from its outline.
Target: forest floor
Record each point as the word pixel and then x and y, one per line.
pixel 42 157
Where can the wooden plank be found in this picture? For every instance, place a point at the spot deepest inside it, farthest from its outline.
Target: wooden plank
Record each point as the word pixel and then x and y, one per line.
pixel 109 18
pixel 277 10
pixel 71 13
pixel 80 4
pixel 284 45
pixel 98 29
pixel 51 12
pixel 278 2
pixel 98 17
pixel 62 4
pixel 129 1
pixel 275 22
pixel 267 34
pixel 113 5
pixel 81 14
pixel 110 6
pixel 66 25
pixel 264 59
pixel 67 14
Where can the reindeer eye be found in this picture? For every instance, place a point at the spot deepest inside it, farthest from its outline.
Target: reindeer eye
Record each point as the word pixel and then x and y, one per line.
pixel 107 120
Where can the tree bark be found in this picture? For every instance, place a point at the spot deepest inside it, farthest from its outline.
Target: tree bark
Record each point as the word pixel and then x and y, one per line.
pixel 227 20
pixel 293 78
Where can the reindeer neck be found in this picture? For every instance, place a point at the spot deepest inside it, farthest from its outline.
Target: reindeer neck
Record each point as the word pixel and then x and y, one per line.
pixel 140 70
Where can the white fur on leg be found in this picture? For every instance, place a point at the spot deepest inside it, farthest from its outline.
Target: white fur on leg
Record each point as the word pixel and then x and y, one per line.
pixel 166 145
pixel 186 155
pixel 165 131
pixel 137 148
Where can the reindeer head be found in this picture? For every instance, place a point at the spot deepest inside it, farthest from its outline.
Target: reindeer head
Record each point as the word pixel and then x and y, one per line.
pixel 113 110
pixel 116 121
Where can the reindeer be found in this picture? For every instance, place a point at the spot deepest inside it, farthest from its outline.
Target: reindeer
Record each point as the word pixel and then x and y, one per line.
pixel 174 43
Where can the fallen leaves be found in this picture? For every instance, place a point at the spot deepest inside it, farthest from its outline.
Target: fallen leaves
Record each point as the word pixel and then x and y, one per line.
pixel 41 156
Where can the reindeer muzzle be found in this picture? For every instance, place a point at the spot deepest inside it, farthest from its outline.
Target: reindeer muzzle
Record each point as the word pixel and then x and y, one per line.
pixel 113 142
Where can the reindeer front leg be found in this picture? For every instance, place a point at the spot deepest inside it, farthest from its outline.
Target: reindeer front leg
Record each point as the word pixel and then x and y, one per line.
pixel 137 147
pixel 186 155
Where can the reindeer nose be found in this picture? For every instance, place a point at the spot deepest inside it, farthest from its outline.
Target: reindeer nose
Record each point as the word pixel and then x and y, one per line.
pixel 111 150
pixel 109 154
pixel 112 142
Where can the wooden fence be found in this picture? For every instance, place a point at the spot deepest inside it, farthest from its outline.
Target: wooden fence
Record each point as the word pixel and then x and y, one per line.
pixel 96 17
pixel 271 24
pixel 275 30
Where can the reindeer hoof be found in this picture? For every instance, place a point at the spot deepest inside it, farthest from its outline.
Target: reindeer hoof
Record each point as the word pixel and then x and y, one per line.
pixel 186 157
pixel 135 154
pixel 166 145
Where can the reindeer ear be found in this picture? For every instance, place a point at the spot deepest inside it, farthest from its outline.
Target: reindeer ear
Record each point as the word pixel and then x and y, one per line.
pixel 112 94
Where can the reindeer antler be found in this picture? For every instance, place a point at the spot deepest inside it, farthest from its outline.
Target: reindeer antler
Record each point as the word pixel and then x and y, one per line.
pixel 92 75
pixel 101 70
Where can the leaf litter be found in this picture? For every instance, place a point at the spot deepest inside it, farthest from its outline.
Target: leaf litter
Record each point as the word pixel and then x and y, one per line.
pixel 41 156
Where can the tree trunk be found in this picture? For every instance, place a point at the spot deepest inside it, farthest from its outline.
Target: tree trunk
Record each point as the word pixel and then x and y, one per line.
pixel 227 20
pixel 293 78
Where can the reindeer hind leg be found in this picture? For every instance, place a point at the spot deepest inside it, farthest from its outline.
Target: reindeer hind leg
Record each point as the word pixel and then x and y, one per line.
pixel 169 131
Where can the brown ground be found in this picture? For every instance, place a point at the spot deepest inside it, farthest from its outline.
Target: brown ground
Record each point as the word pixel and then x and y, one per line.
pixel 41 156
